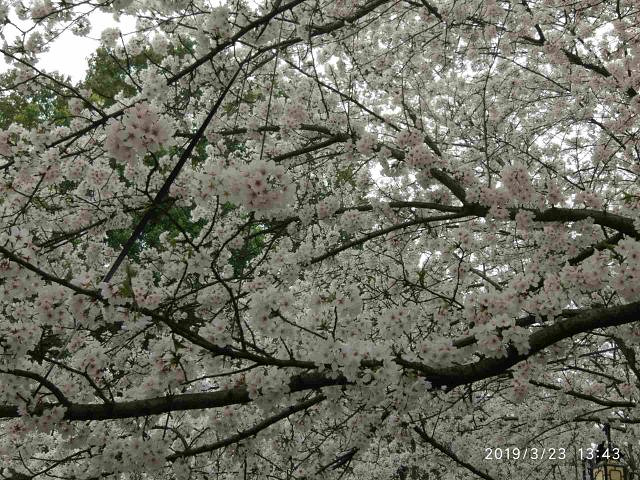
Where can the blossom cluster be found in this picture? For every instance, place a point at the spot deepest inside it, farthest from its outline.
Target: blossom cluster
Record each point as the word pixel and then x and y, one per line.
pixel 217 331
pixel 589 199
pixel 270 385
pixel 327 207
pixel 347 357
pixel 419 156
pixel 109 37
pixel 136 454
pixel 348 302
pixel 141 129
pixel 41 8
pixel 440 352
pixel 5 146
pixel 591 275
pixel 268 309
pixel 395 321
pixel 217 22
pixel 48 304
pixel 518 183
pixel 627 282
pixel 294 114
pixel 366 143
pixel 163 374
pixel 520 383
pixel 260 186
pixel 154 86
pixel 21 337
pixel 408 139
pixel 43 422
pixel 351 221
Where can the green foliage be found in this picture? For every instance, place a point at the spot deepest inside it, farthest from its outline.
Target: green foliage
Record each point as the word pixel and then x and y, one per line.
pixel 174 221
pixel 249 250
pixel 346 175
pixel 107 75
pixel 104 81
pixel 31 110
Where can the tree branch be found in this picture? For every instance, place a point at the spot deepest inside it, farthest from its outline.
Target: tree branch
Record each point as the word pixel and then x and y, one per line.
pixel 438 377
pixel 248 432
pixel 438 446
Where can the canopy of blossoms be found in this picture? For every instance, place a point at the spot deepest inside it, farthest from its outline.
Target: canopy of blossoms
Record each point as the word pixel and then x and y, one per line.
pixel 413 236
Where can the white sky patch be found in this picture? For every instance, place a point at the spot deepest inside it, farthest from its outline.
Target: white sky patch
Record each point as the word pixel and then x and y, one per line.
pixel 69 53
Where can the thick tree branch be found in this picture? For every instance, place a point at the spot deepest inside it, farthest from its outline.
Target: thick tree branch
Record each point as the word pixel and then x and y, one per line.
pixel 188 401
pixel 439 377
pixel 538 341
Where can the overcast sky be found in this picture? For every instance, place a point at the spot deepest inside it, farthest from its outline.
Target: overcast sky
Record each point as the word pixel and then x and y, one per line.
pixel 69 53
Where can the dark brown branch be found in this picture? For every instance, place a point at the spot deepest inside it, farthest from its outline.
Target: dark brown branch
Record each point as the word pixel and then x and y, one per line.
pixel 241 33
pixel 248 432
pixel 583 396
pixel 383 231
pixel 164 190
pixel 538 341
pixel 600 217
pixel 47 276
pixel 160 405
pixel 439 377
pixel 432 10
pixel 443 449
pixel 311 148
pixel 42 380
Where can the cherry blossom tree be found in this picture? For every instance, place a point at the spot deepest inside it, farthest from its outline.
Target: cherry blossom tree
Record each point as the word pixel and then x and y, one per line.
pixel 392 237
